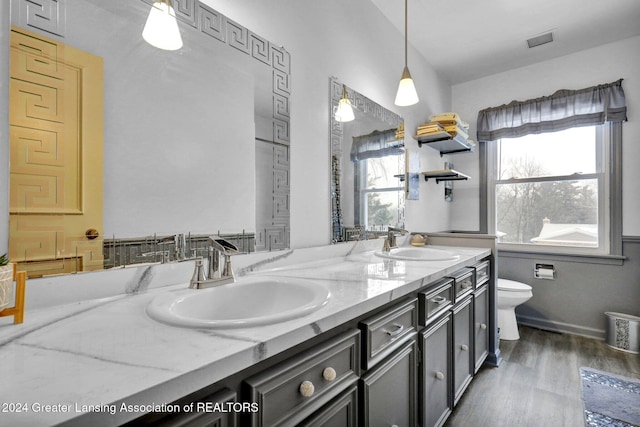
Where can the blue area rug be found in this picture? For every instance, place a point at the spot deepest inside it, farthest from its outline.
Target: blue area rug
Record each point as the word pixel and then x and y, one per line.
pixel 610 400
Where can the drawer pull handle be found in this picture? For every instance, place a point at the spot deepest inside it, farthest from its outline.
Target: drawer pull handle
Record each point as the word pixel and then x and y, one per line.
pixel 329 374
pixel 395 332
pixel 307 388
pixel 438 300
pixel 483 326
pixel 464 347
pixel 439 375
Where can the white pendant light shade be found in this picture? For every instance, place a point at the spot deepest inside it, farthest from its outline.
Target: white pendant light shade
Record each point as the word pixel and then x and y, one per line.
pixel 344 113
pixel 406 94
pixel 161 29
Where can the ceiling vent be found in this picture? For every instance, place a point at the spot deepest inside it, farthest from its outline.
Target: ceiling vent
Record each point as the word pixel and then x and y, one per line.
pixel 540 40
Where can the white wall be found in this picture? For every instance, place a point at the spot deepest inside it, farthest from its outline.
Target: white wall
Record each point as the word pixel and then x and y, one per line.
pixel 354 42
pixel 590 67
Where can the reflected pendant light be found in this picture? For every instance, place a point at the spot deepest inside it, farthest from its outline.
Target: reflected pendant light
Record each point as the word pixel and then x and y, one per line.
pixel 161 29
pixel 344 113
pixel 406 94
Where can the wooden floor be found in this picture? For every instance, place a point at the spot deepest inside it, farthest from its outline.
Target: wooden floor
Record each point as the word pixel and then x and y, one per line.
pixel 538 382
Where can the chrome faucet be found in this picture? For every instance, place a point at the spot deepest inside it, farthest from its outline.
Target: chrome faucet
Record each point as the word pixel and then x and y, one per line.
pixel 179 243
pixel 390 240
pixel 219 258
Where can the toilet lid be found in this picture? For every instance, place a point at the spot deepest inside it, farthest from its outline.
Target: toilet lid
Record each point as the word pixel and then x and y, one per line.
pixel 511 285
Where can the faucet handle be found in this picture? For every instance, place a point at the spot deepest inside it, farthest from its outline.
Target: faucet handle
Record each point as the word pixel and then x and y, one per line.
pixel 198 274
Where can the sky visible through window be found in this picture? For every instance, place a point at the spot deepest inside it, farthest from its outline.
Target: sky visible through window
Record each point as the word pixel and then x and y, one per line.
pixel 561 211
pixel 558 153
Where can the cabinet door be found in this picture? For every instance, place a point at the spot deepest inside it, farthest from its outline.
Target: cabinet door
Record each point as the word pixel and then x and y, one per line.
pixel 341 412
pixel 436 378
pixel 390 390
pixel 462 351
pixel 215 411
pixel 481 322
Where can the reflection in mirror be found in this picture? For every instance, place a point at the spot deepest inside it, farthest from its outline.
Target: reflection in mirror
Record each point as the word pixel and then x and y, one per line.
pixel 367 169
pixel 195 140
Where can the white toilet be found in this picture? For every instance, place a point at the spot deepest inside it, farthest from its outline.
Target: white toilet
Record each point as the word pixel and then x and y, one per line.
pixel 510 295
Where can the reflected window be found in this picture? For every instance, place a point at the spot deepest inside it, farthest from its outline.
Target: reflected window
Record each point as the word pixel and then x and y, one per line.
pixel 379 192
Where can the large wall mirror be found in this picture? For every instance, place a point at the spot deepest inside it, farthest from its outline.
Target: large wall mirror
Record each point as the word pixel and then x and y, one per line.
pixel 367 168
pixel 196 141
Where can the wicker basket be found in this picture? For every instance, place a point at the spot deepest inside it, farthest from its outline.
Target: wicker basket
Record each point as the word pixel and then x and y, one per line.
pixel 6 285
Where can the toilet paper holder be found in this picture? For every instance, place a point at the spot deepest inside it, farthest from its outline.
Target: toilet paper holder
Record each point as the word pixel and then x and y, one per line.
pixel 544 271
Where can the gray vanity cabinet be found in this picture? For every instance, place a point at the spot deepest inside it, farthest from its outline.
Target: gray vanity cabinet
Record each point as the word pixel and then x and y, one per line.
pixel 480 324
pixel 213 411
pixel 288 393
pixel 390 384
pixel 390 390
pixel 436 373
pixel 462 349
pixel 481 312
pixel 341 412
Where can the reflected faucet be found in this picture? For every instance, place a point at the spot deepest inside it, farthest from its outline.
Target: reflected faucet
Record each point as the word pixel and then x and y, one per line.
pixel 219 258
pixel 390 240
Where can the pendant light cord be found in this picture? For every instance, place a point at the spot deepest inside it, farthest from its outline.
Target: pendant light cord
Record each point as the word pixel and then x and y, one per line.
pixel 406 30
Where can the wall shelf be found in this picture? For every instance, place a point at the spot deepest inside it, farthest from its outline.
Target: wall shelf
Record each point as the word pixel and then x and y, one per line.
pixel 445 143
pixel 445 175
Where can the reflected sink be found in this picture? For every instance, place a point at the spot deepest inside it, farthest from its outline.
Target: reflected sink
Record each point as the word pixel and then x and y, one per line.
pixel 418 254
pixel 252 301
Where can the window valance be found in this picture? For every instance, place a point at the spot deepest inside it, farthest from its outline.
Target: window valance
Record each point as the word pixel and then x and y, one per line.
pixel 376 144
pixel 562 110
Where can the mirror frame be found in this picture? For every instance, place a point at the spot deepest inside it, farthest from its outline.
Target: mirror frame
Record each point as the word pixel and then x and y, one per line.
pixel 365 106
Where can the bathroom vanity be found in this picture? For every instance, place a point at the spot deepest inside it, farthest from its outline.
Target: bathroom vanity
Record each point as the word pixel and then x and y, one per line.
pixel 397 343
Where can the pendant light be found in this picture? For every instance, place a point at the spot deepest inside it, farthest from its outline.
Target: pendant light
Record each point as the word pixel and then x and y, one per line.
pixel 161 29
pixel 344 113
pixel 406 94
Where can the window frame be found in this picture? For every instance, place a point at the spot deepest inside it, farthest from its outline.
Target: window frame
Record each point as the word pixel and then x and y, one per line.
pixel 609 168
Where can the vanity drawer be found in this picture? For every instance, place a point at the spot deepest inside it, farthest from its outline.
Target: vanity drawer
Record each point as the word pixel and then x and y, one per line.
pixel 291 391
pixel 482 272
pixel 435 300
pixel 388 330
pixel 464 282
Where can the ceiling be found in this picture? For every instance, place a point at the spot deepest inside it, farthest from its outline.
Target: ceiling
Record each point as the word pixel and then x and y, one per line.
pixel 468 39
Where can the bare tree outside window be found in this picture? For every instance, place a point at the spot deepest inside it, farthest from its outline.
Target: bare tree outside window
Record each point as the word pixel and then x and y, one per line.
pixel 542 200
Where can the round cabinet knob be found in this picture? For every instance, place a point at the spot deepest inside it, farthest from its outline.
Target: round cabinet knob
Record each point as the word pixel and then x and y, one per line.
pixel 307 388
pixel 92 233
pixel 464 347
pixel 329 374
pixel 439 375
pixel 483 326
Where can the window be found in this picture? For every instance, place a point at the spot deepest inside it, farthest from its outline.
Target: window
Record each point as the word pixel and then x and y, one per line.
pixel 380 193
pixel 550 191
pixel 553 174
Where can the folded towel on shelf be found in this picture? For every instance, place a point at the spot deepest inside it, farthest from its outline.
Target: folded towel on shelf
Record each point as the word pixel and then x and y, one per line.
pixel 428 128
pixel 450 119
pixel 456 130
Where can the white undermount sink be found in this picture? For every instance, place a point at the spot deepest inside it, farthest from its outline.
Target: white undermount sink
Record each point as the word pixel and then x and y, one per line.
pixel 418 253
pixel 251 301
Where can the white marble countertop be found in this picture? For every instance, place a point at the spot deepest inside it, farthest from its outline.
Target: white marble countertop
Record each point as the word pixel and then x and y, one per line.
pixel 85 358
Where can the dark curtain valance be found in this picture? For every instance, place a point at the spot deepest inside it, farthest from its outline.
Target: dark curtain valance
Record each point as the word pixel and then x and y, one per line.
pixel 562 110
pixel 379 143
